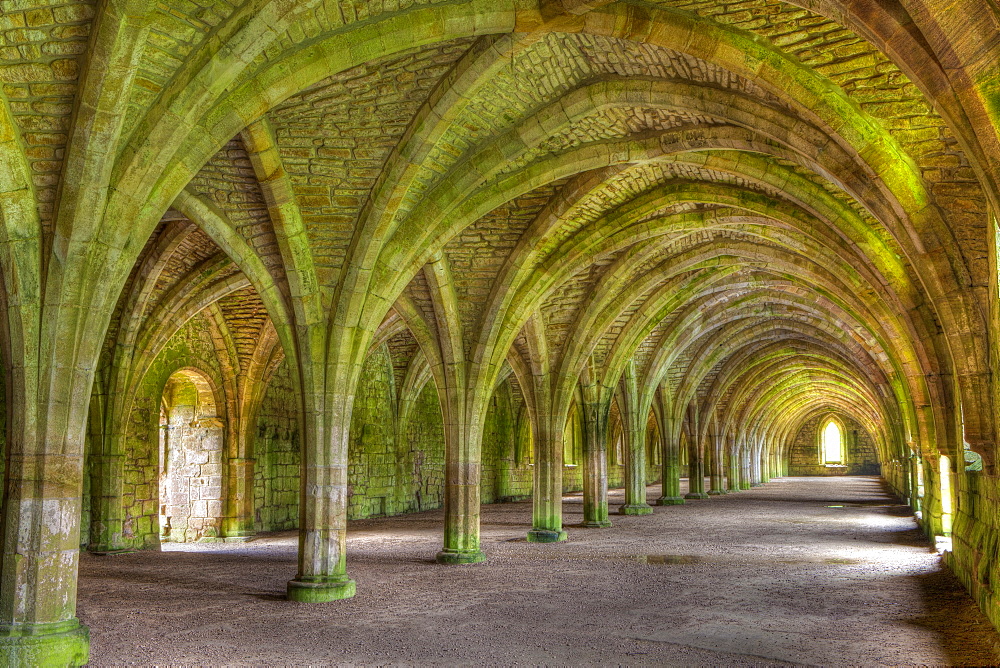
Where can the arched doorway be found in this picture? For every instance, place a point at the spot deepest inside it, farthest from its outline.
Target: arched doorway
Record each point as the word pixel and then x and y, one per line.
pixel 191 444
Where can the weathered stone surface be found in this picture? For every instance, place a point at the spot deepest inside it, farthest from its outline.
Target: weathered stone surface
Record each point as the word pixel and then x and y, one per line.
pixel 282 264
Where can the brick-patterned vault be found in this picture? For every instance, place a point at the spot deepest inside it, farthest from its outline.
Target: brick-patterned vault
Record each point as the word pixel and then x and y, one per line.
pixel 275 264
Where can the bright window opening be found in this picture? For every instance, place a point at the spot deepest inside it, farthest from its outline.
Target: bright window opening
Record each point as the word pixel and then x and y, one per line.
pixel 833 441
pixel 944 468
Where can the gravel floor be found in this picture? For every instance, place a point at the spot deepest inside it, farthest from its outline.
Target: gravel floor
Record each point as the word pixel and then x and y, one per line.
pixel 821 571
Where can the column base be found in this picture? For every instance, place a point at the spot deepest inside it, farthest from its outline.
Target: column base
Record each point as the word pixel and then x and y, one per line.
pixel 59 644
pixel 636 509
pixel 596 524
pixel 696 495
pixel 546 536
pixel 320 590
pixel 670 501
pixel 459 557
pixel 745 485
pixel 716 492
pixel 732 490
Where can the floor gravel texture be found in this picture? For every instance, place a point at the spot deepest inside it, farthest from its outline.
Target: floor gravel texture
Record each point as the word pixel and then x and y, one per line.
pixel 818 571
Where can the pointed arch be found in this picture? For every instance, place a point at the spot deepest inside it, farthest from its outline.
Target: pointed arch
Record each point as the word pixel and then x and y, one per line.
pixel 832 441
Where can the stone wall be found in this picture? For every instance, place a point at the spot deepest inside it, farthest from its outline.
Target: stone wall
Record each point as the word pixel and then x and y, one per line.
pixel 276 455
pixel 190 347
pixel 803 455
pixel 975 555
pixel 503 476
pixel 392 469
pixel 372 453
pixel 424 445
pixel 191 443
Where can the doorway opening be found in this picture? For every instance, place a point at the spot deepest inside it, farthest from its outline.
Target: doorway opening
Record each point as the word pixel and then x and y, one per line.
pixel 191 443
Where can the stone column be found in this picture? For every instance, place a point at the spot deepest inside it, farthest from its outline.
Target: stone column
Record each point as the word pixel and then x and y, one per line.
pixel 40 543
pixel 635 467
pixel 461 496
pixel 671 464
pixel 755 473
pixel 239 521
pixel 733 468
pixel 546 515
pixel 764 457
pixel 322 574
pixel 596 413
pixel 717 470
pixel 696 470
pixel 745 467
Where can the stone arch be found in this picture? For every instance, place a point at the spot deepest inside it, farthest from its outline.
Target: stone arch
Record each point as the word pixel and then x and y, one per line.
pixel 192 445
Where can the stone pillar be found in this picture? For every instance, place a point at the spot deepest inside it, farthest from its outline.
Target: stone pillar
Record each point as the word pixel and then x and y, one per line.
pixel 755 474
pixel 635 467
pixel 461 497
pixel 671 464
pixel 696 470
pixel 239 518
pixel 717 470
pixel 733 468
pixel 40 543
pixel 322 574
pixel 745 467
pixel 546 515
pixel 596 413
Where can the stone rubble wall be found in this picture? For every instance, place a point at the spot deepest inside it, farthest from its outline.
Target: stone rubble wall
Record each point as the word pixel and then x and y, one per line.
pixel 191 346
pixel 975 554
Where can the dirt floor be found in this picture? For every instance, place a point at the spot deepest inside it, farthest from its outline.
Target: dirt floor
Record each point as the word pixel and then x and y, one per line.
pixel 828 571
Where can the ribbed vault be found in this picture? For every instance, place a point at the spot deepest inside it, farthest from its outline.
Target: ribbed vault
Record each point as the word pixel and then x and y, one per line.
pixel 696 225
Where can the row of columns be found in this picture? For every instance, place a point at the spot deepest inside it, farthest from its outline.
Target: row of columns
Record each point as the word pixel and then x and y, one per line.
pixel 733 465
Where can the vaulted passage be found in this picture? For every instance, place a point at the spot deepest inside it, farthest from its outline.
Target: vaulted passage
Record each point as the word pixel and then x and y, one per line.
pixel 278 265
pixel 802 570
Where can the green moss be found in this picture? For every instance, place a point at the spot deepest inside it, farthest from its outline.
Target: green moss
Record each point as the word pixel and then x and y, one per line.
pixel 33 645
pixel 276 454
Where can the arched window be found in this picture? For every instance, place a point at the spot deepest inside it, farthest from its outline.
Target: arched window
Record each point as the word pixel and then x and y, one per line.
pixel 832 443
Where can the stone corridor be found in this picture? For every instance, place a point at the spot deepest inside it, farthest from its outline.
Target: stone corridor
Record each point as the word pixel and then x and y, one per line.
pixel 276 266
pixel 820 571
